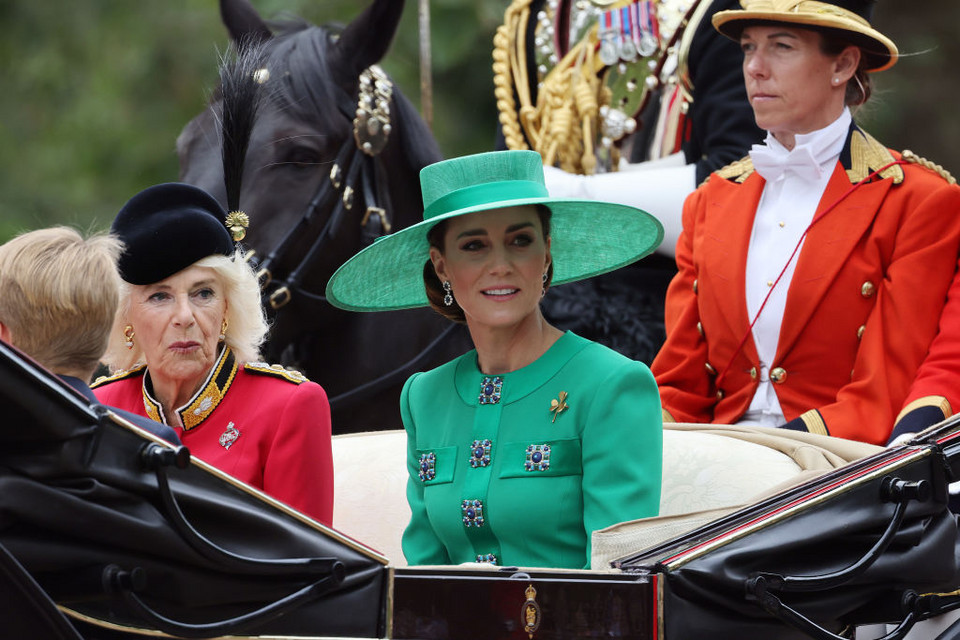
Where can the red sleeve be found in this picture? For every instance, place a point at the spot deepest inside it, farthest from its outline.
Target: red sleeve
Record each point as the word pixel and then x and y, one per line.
pixel 935 393
pixel 298 469
pixel 903 323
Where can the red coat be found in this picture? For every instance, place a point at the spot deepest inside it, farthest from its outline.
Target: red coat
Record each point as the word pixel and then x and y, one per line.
pixel 267 427
pixel 862 308
pixel 935 393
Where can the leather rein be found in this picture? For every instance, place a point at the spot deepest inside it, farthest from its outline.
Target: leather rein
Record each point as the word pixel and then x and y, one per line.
pixel 360 155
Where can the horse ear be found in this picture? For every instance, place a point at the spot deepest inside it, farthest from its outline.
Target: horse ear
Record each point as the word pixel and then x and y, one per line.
pixel 243 22
pixel 365 40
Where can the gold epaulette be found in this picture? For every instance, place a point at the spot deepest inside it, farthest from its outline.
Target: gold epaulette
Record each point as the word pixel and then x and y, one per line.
pixel 277 371
pixel 738 171
pixel 913 158
pixel 119 375
pixel 868 155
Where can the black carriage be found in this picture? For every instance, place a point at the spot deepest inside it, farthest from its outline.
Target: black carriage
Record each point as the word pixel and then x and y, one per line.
pixel 107 532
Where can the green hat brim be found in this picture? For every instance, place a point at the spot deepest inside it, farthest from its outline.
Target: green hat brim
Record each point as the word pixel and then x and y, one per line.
pixel 588 238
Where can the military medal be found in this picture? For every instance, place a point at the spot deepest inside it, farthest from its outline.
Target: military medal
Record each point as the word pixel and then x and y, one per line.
pixel 609 52
pixel 229 436
pixel 646 33
pixel 628 50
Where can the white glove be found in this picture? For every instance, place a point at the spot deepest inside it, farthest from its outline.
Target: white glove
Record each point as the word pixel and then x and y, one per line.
pixel 659 187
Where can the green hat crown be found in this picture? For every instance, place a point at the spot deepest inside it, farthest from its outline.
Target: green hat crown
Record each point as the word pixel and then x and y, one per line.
pixel 484 180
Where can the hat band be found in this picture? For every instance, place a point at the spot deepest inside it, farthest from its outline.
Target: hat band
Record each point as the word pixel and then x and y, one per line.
pixel 804 7
pixel 496 193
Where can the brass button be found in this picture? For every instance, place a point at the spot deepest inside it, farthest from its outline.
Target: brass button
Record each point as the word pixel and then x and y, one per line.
pixel 867 289
pixel 719 394
pixel 778 375
pixel 710 369
pixel 695 285
pixel 753 373
pixel 700 329
pixel 860 331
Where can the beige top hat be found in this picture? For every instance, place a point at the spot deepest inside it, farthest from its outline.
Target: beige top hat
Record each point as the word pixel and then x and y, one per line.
pixel 848 19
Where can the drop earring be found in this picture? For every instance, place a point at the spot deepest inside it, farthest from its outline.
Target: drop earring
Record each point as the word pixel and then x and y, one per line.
pixel 447 293
pixel 543 291
pixel 128 334
pixel 223 330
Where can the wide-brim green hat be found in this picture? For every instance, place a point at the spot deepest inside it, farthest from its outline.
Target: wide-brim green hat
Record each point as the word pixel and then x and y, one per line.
pixel 588 238
pixel 849 19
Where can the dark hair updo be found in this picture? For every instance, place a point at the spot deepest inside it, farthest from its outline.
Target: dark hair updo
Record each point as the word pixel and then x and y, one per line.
pixel 434 287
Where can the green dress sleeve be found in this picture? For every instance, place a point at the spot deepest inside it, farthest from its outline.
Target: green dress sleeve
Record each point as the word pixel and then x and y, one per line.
pixel 622 449
pixel 419 543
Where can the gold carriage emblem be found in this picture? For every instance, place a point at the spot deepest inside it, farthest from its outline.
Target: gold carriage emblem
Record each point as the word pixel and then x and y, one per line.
pixel 530 612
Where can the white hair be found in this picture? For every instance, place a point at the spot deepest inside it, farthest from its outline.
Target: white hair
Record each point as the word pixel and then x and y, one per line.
pixel 246 321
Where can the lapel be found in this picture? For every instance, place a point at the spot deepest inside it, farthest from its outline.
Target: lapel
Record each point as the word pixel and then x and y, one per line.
pixel 725 247
pixel 833 237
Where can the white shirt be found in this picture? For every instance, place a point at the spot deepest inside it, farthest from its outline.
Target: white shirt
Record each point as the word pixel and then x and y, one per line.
pixel 787 206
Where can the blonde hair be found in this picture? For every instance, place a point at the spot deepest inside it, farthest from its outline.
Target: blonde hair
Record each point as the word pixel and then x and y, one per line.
pixel 59 294
pixel 246 321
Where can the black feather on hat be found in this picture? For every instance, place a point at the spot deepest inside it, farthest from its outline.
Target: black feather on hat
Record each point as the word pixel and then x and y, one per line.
pixel 168 227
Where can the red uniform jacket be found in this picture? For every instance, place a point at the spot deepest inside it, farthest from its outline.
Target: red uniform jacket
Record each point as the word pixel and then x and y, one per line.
pixel 935 393
pixel 860 314
pixel 267 427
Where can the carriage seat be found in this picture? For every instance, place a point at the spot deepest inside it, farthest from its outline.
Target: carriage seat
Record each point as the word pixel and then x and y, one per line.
pixel 705 468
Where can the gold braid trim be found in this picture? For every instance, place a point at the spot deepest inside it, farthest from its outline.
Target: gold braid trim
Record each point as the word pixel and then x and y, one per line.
pixel 938 402
pixel 814 422
pixel 910 156
pixel 562 125
pixel 738 170
pixel 510 70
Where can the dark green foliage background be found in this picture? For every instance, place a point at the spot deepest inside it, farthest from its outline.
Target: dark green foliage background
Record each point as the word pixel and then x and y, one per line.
pixel 95 92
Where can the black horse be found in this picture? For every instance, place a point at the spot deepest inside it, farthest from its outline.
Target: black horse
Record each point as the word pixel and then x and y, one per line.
pixel 321 179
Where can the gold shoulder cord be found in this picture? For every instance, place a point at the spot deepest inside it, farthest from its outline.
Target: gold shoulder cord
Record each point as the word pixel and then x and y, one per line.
pixel 910 156
pixel 560 126
pixel 506 66
pixel 572 97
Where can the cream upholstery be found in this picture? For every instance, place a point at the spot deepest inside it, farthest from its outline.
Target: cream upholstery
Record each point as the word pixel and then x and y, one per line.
pixel 708 470
pixel 370 489
pixel 712 470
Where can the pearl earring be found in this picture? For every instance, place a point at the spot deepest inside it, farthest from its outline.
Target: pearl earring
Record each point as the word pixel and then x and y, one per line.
pixel 128 334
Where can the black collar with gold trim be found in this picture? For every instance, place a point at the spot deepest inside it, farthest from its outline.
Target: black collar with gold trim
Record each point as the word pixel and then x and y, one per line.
pixel 206 399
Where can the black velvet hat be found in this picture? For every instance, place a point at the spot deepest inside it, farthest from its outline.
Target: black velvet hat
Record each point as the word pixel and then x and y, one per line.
pixel 168 227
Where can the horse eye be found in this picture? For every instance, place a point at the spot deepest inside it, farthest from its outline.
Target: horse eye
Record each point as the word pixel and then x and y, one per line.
pixel 304 157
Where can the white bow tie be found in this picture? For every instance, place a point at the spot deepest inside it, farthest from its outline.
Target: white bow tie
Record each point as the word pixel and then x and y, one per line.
pixel 771 164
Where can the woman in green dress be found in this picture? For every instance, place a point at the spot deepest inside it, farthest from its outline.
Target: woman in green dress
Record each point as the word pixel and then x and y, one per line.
pixel 521 448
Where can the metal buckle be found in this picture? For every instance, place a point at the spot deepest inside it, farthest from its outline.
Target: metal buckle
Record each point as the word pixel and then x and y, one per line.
pixel 381 213
pixel 275 297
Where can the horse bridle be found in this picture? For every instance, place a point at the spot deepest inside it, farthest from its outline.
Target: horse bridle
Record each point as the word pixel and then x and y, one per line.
pixel 360 155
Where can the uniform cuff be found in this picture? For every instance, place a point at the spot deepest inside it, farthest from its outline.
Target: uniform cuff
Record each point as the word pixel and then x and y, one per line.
pixel 811 422
pixel 919 415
